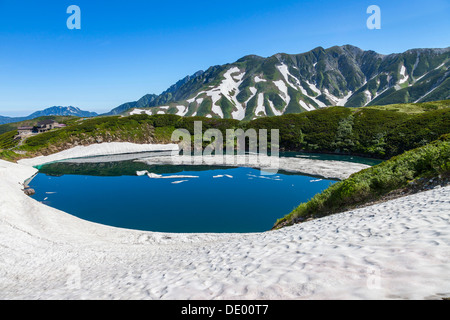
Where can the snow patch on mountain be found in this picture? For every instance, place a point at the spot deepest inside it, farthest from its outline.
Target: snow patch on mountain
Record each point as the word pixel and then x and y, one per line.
pixel 306 106
pixel 260 107
pixel 258 79
pixel 343 101
pixel 285 72
pixel 228 88
pixel 403 74
pixel 274 110
pixel 182 110
pixel 368 96
pixel 284 90
pixel 253 90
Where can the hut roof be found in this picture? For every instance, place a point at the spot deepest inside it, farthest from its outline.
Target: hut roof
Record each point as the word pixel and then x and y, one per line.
pixel 45 122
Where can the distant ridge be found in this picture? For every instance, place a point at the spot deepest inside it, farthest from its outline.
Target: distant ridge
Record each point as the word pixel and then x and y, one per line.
pixel 52 111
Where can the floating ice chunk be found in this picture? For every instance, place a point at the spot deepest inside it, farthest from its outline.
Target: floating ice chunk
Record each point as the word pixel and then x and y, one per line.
pixel 223 175
pixel 177 182
pixel 158 176
pixel 154 175
pixel 141 173
pixel 179 177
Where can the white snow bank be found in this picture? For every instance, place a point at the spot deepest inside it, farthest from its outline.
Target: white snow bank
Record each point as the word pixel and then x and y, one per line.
pixel 112 148
pixel 393 250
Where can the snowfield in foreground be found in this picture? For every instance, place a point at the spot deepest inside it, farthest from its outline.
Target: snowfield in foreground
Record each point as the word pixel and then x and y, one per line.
pixel 393 250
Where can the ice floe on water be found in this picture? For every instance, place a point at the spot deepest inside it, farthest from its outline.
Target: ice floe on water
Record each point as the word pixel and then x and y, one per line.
pixel 160 176
pixel 178 182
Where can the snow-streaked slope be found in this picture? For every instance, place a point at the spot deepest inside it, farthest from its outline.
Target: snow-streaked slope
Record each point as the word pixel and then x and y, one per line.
pixel 338 76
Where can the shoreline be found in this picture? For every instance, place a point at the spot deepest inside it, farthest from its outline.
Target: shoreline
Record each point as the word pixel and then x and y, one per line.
pixel 403 243
pixel 326 169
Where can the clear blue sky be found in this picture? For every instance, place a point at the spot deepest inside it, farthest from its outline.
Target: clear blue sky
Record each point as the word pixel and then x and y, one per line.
pixel 126 49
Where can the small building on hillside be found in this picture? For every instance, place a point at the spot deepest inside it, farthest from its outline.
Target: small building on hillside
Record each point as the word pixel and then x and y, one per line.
pixel 25 130
pixel 46 125
pixel 41 127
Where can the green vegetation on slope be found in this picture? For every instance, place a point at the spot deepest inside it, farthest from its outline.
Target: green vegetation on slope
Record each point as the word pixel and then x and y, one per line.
pixel 413 108
pixel 431 160
pixel 373 132
pixel 7 140
pixel 378 132
pixel 135 129
pixel 9 155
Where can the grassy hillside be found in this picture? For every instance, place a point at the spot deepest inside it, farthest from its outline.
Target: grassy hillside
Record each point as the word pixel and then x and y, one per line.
pixel 7 140
pixel 379 132
pixel 413 108
pixel 429 161
pixel 136 129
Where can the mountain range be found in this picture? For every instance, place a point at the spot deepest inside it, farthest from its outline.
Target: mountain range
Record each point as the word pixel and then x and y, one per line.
pixel 53 111
pixel 254 86
pixel 348 76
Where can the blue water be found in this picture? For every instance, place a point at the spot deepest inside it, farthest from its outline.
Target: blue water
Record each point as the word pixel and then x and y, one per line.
pixel 247 202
